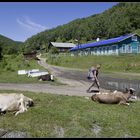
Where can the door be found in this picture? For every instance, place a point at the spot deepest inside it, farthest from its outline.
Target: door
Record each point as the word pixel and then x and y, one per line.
pixel 134 47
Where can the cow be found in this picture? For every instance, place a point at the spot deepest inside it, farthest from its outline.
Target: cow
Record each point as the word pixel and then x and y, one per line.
pixel 115 97
pixel 14 102
pixel 47 77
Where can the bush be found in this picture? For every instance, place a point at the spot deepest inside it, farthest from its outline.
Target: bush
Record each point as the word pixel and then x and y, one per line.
pixel 9 68
pixel 3 63
pixel 53 50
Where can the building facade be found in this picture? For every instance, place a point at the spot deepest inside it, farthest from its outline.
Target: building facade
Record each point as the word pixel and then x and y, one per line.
pixel 128 44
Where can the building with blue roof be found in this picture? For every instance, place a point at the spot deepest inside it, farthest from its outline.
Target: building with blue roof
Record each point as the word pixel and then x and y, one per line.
pixel 120 45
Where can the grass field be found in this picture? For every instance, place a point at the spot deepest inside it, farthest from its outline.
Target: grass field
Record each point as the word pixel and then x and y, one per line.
pixel 10 65
pixel 110 65
pixel 121 63
pixel 71 116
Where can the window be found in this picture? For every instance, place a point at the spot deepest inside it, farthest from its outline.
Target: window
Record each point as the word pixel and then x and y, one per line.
pixel 134 38
pixel 123 48
pixel 103 50
pixel 92 50
pixel 95 50
pixel 128 48
pixel 107 49
pixel 100 50
pixel 114 49
pixel 139 48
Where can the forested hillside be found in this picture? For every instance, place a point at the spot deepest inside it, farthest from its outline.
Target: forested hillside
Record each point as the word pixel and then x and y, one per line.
pixel 9 46
pixel 121 19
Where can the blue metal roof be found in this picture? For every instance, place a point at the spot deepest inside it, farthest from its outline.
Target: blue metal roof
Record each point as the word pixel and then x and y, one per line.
pixel 100 43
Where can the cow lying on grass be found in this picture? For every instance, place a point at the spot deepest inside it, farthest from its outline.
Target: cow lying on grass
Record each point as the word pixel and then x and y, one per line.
pixel 47 77
pixel 15 102
pixel 114 97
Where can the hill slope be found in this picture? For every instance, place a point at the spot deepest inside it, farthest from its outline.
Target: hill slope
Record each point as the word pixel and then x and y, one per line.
pixel 9 46
pixel 121 19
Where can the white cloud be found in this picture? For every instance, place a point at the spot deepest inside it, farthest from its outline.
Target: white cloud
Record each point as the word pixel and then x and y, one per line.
pixel 29 25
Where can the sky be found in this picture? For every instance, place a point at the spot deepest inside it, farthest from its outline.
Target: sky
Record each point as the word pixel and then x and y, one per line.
pixel 21 20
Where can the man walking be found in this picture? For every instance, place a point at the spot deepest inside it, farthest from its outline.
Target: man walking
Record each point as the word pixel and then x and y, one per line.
pixel 93 76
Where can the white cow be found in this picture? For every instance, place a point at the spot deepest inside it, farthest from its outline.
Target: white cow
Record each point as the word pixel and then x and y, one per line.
pixel 14 102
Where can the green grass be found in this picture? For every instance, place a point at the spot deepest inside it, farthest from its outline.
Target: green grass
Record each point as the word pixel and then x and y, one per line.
pixel 121 63
pixel 57 115
pixel 71 116
pixel 12 63
pixel 128 76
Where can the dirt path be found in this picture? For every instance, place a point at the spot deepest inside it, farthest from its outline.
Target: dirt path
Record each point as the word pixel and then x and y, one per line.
pixel 72 77
pixel 77 77
pixel 75 83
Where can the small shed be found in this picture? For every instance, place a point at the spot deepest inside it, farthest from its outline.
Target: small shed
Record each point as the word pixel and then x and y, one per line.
pixel 62 47
pixel 30 55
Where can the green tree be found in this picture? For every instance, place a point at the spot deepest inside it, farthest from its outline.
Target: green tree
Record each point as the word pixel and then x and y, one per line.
pixel 54 50
pixel 1 56
pixel 123 18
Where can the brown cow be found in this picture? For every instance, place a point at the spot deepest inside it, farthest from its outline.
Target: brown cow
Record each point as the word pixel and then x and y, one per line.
pixel 114 97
